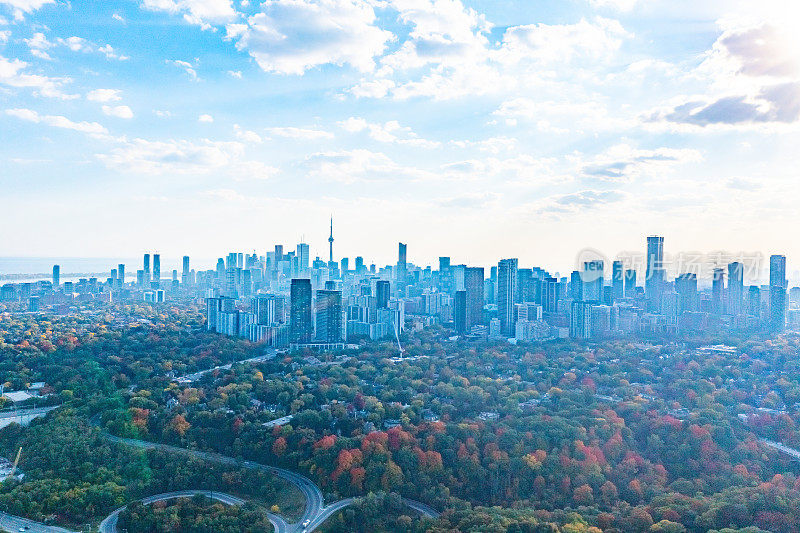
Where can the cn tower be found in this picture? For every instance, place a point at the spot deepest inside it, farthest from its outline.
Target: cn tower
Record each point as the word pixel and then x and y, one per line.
pixel 330 244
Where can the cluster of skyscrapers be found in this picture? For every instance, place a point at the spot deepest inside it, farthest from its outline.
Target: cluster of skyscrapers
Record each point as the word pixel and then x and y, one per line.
pixel 315 304
pixel 620 307
pixel 282 298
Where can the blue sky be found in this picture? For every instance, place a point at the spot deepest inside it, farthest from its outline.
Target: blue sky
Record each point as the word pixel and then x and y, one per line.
pixel 474 129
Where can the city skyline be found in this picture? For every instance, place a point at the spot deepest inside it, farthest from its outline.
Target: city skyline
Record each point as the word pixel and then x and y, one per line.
pixel 752 266
pixel 407 118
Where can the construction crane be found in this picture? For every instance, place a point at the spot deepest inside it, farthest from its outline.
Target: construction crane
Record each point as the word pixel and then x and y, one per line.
pixel 16 463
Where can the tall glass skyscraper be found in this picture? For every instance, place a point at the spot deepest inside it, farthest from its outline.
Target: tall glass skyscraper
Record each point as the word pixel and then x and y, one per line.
pixel 157 269
pixel 777 293
pixel 301 327
pixel 329 316
pixel 506 286
pixel 735 288
pixel 654 275
pixel 146 268
pixel 473 286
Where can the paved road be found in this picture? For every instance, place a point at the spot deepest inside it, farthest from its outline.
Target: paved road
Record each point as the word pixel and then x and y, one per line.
pixel 327 512
pixel 315 511
pixel 109 524
pixel 312 493
pixel 189 378
pixel 13 523
pixel 421 508
pixel 781 448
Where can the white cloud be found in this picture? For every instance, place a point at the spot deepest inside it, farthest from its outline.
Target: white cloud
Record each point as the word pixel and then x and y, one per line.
pixel 444 32
pixel 4 36
pixel 588 198
pixel 235 74
pixel 57 121
pixel 76 44
pixel 617 5
pixel 247 135
pixel 449 53
pixel 623 163
pixel 12 75
pixel 110 53
pixel 208 119
pixel 373 88
pixel 38 44
pixel 388 132
pixel 175 156
pixel 562 43
pixel 118 17
pixel 185 66
pixel 493 145
pixel 202 12
pixel 564 116
pixel 182 157
pixel 20 7
pixel 104 95
pixel 292 36
pixel 349 166
pixel 517 169
pixel 470 200
pixel 120 111
pixel 753 77
pixel 300 133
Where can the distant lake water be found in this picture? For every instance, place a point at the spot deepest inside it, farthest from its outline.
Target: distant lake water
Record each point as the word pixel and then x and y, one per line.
pixel 26 269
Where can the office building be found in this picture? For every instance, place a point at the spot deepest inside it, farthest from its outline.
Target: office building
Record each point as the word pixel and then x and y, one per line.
pixel 630 283
pixel 580 323
pixel 156 269
pixel 617 280
pixel 301 326
pixel 686 288
pixel 735 288
pixel 576 286
pixel 753 305
pixel 460 312
pixel 473 287
pixel 654 275
pixel 146 268
pixel 185 274
pixel 382 293
pixel 592 278
pixel 506 286
pixel 302 252
pixel 401 271
pixel 777 293
pixel 717 289
pixel 329 314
